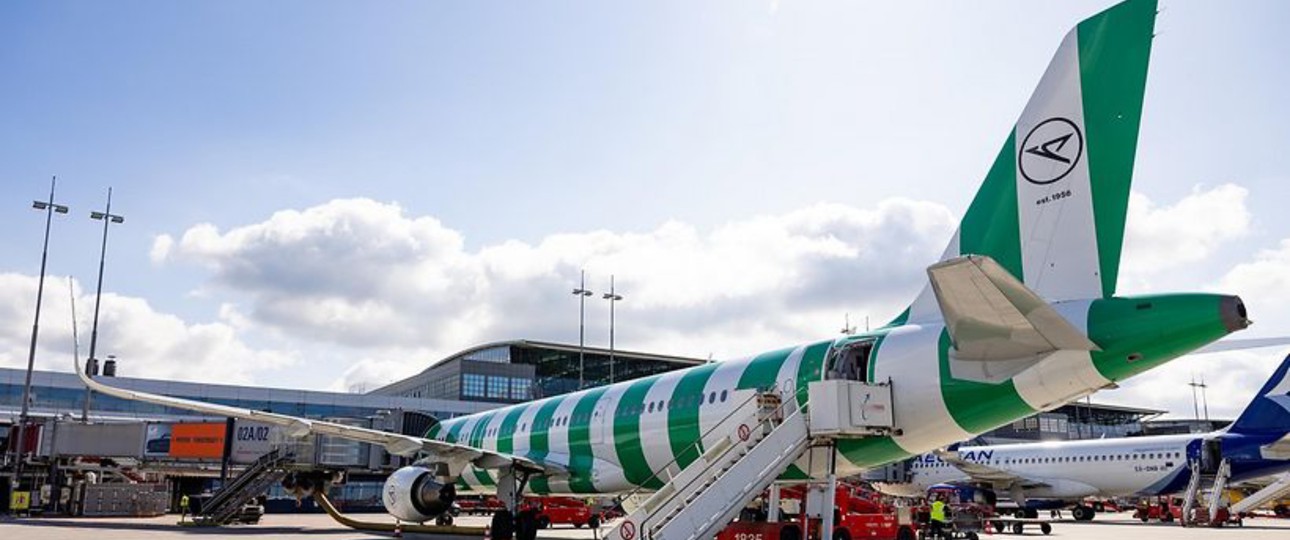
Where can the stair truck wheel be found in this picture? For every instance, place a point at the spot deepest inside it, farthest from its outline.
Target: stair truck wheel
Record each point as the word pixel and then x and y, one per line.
pixel 593 521
pixel 544 522
pixel 1045 528
pixel 841 534
pixel 904 533
pixel 790 532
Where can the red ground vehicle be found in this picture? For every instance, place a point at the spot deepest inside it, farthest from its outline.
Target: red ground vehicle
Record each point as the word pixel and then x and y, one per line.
pixel 1163 509
pixel 860 514
pixel 562 511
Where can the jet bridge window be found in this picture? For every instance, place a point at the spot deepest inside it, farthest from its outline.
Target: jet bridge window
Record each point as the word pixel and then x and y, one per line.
pixel 850 361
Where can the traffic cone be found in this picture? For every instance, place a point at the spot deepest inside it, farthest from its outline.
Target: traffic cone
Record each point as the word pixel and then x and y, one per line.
pixel 488 534
pixel 398 530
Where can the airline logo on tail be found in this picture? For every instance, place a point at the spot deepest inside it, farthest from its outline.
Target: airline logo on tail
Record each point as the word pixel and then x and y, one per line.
pixel 1050 151
pixel 1280 394
pixel 1269 412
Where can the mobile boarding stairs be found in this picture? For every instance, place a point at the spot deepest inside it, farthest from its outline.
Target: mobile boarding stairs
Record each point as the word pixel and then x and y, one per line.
pixel 766 433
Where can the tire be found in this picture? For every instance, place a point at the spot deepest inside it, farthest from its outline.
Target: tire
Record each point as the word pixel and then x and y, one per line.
pixel 791 532
pixel 841 534
pixel 1045 528
pixel 1281 510
pixel 577 525
pixel 502 526
pixel 1098 507
pixel 1082 513
pixel 998 526
pixel 1168 517
pixel 904 533
pixel 593 521
pixel 443 520
pixel 1018 528
pixel 971 536
pixel 1144 518
pixel 526 526
pixel 543 522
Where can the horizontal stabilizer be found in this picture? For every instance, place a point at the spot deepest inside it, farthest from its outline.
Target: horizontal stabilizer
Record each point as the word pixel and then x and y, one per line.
pixel 993 316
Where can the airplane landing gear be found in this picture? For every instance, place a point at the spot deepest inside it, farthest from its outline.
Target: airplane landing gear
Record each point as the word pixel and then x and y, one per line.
pixel 1083 513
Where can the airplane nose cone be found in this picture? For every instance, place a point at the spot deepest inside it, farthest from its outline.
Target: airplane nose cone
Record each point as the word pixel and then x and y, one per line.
pixel 1232 309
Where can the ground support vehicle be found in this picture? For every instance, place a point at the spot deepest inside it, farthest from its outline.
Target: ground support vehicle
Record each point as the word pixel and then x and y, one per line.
pixel 561 511
pixel 858 514
pixel 1162 509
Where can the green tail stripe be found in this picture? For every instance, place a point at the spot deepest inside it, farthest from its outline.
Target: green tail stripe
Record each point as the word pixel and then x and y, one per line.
pixel 1138 333
pixel 627 435
pixel 978 407
pixel 992 224
pixel 683 416
pixel 581 458
pixel 1114 48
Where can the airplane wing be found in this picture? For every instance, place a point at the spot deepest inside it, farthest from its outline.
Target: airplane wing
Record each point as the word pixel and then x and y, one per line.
pixel 1242 344
pixel 985 473
pixel 993 316
pixel 455 455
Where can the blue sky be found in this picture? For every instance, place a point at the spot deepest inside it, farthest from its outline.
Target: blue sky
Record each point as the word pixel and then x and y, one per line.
pixel 554 126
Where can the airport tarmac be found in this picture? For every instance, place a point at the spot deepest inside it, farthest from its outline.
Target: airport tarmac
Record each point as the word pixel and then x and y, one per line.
pixel 320 526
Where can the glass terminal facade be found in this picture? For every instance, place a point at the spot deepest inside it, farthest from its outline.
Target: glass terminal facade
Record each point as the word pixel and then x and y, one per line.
pixel 517 371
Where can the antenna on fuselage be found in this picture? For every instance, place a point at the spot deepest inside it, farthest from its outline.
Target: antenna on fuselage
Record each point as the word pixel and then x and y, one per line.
pixel 847 329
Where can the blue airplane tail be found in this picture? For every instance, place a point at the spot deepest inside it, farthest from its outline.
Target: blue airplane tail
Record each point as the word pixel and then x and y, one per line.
pixel 1270 409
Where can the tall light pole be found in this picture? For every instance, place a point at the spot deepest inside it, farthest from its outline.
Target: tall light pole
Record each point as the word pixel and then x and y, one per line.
pixel 92 364
pixel 1195 401
pixel 50 208
pixel 582 293
pixel 613 298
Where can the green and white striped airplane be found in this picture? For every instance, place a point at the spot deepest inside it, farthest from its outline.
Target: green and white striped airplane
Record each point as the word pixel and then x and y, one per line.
pixel 1019 316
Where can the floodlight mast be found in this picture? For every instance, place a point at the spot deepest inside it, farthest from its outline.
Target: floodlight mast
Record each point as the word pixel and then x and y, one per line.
pixel 613 298
pixel 582 293
pixel 50 208
pixel 92 364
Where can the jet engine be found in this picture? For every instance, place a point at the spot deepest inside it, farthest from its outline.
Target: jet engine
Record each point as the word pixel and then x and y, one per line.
pixel 412 494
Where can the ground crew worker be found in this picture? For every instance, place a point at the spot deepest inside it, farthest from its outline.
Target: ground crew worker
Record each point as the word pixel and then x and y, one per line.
pixel 938 518
pixel 183 507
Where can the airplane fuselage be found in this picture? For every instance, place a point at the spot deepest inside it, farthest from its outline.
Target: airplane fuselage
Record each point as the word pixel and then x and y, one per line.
pixel 618 437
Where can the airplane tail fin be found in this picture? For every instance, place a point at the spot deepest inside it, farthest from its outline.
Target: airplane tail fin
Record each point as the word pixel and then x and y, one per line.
pixel 1052 207
pixel 1270 409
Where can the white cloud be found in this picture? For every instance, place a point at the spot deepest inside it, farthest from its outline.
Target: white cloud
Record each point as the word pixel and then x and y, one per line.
pixel 148 343
pixel 360 274
pixel 1159 239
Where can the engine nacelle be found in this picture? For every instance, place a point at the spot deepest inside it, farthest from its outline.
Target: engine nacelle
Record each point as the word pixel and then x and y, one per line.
pixel 412 494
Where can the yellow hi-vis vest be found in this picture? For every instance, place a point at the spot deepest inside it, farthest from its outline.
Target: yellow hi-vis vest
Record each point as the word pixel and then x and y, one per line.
pixel 938 511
